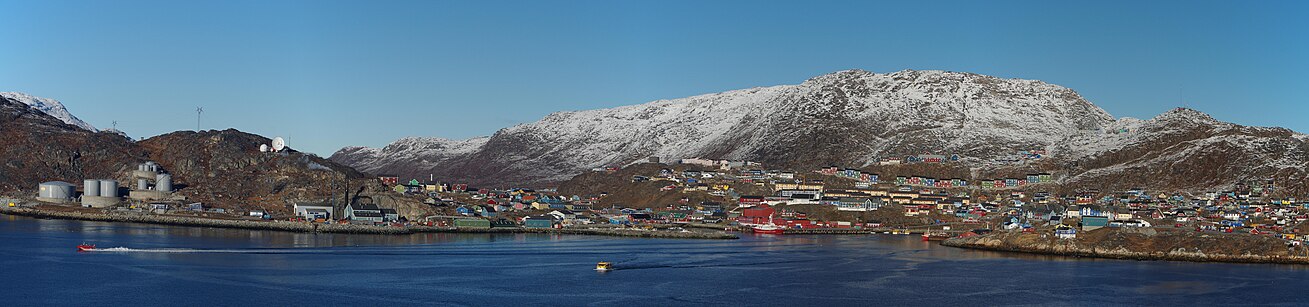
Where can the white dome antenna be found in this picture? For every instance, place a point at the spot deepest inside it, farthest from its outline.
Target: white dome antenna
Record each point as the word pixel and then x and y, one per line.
pixel 279 144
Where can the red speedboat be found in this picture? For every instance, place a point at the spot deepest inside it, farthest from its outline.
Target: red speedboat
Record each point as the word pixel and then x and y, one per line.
pixel 85 247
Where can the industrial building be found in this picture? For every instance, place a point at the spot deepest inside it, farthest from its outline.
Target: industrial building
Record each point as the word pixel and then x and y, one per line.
pixel 146 173
pixel 100 193
pixel 55 191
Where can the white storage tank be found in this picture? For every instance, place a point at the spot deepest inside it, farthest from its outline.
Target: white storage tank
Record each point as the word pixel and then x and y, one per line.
pixel 142 184
pixel 164 183
pixel 108 188
pixel 56 190
pixel 90 187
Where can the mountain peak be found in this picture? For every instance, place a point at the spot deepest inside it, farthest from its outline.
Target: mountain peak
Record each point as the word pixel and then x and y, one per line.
pixel 50 107
pixel 1182 114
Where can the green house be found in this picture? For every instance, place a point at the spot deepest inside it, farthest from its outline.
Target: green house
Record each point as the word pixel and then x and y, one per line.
pixel 539 222
pixel 1094 222
pixel 472 223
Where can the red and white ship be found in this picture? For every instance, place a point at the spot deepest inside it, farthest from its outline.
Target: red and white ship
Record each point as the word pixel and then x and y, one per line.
pixel 85 247
pixel 769 228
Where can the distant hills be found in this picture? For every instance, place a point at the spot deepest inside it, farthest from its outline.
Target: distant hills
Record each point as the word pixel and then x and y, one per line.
pixel 857 119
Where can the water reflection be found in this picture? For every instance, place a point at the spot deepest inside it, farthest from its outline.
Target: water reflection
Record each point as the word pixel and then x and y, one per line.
pixel 542 269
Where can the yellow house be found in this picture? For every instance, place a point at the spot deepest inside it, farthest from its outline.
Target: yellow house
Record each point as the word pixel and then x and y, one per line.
pixel 540 206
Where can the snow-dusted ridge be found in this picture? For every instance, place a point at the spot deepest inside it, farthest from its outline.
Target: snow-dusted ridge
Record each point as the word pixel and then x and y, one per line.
pixel 849 118
pixel 49 106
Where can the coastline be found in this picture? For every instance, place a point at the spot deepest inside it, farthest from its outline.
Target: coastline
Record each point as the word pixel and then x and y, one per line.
pixel 1131 245
pixel 116 217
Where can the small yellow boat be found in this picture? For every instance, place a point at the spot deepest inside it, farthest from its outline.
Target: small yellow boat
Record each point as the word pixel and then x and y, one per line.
pixel 603 266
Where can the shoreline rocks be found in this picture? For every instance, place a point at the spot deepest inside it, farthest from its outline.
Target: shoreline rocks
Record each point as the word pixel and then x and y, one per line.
pixel 1130 244
pixel 146 218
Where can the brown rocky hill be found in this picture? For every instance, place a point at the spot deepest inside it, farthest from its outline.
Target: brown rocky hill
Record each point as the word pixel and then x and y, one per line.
pixel 226 167
pixel 38 147
pixel 221 169
pixel 1186 150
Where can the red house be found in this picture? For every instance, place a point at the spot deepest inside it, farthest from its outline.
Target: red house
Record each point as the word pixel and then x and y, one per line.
pixel 389 179
pixel 756 215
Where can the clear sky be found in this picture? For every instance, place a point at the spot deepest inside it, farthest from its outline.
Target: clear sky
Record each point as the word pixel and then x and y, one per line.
pixel 327 74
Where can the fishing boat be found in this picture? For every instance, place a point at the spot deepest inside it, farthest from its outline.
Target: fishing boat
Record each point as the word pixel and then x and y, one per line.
pixel 935 235
pixel 85 247
pixel 770 228
pixel 767 229
pixel 603 266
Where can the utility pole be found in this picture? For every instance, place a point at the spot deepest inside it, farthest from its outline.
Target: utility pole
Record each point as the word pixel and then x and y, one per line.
pixel 198 111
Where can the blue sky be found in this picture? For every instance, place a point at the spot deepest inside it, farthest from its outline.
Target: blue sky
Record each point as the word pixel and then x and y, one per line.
pixel 327 74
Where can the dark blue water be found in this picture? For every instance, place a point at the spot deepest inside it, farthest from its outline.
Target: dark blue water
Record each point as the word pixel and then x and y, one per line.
pixel 163 265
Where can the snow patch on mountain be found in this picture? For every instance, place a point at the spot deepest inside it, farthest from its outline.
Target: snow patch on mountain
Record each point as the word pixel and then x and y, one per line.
pixel 49 106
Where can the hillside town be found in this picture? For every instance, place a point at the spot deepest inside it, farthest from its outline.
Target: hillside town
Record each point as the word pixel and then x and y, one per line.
pixel 741 195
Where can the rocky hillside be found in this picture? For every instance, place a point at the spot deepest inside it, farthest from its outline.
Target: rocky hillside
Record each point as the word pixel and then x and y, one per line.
pixel 1185 149
pixel 855 118
pixel 219 168
pixel 1142 244
pixel 226 167
pixel 38 147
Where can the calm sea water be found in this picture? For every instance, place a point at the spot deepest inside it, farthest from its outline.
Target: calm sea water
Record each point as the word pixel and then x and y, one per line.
pixel 164 265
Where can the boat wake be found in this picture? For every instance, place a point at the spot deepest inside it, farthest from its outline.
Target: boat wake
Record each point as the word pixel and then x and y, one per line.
pixel 191 251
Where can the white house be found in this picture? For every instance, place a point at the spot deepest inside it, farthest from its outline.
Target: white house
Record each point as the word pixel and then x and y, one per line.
pixel 363 213
pixel 311 211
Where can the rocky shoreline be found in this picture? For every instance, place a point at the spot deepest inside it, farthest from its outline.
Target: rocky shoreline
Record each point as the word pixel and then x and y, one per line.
pixel 1141 244
pixel 146 218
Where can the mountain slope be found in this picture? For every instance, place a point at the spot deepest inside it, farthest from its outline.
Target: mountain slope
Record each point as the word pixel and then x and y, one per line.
pixel 849 117
pixel 48 106
pixel 219 168
pixel 226 167
pixel 38 147
pixel 856 118
pixel 1184 149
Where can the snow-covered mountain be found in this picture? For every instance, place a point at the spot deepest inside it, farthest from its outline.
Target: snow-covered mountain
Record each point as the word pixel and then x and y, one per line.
pixel 49 106
pixel 410 152
pixel 849 118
